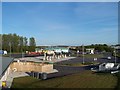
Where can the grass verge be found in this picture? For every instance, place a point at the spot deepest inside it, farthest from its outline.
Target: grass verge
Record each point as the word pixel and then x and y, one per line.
pixel 85 79
pixel 118 82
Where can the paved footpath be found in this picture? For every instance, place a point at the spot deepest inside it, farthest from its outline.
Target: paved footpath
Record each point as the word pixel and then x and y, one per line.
pixel 36 59
pixel 14 75
pixel 21 74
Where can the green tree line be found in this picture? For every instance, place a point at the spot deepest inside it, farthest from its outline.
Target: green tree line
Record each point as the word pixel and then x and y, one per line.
pixel 17 43
pixel 98 47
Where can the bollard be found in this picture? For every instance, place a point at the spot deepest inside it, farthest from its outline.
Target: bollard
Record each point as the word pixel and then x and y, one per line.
pixel 37 75
pixel 43 76
pixel 32 74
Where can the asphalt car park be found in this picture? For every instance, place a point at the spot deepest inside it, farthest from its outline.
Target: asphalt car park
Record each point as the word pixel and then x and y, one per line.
pixel 67 70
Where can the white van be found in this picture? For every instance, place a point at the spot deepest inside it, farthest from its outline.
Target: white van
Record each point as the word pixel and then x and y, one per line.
pixel 109 58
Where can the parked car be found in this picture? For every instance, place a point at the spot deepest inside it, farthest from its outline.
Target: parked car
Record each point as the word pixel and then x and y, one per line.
pixel 1 52
pixel 109 58
pixel 4 52
pixel 107 67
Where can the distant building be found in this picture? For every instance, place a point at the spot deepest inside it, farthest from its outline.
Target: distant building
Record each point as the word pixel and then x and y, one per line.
pixel 58 49
pixel 116 47
pixel 90 50
pixel 38 50
pixel 1 52
pixel 72 47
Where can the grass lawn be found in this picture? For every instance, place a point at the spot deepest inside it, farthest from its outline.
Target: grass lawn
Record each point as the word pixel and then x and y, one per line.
pixel 6 55
pixel 118 54
pixel 85 79
pixel 118 83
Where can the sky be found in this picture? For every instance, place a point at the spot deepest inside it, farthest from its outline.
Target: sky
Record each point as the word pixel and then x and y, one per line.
pixel 62 23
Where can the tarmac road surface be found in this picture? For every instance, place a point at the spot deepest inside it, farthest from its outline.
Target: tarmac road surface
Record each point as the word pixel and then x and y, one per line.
pixel 67 70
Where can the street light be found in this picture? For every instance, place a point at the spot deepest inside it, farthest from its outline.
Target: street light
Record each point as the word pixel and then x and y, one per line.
pixel 22 53
pixel 77 52
pixel 83 53
pixel 10 48
pixel 21 50
pixel 115 55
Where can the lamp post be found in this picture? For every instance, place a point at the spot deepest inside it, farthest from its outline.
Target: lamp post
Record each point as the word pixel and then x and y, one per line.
pixel 77 52
pixel 22 51
pixel 115 55
pixel 10 48
pixel 83 53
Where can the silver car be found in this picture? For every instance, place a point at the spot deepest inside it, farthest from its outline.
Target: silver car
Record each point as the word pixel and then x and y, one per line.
pixel 109 58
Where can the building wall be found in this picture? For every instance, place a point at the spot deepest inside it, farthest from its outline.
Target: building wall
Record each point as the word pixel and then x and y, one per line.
pixel 4 77
pixel 90 51
pixel 26 67
pixel 31 66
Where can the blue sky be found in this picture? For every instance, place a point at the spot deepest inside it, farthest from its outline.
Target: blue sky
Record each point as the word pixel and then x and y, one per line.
pixel 62 23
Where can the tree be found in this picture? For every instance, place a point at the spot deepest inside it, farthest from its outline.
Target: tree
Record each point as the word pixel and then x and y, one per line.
pixel 14 41
pixel 32 44
pixel 21 43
